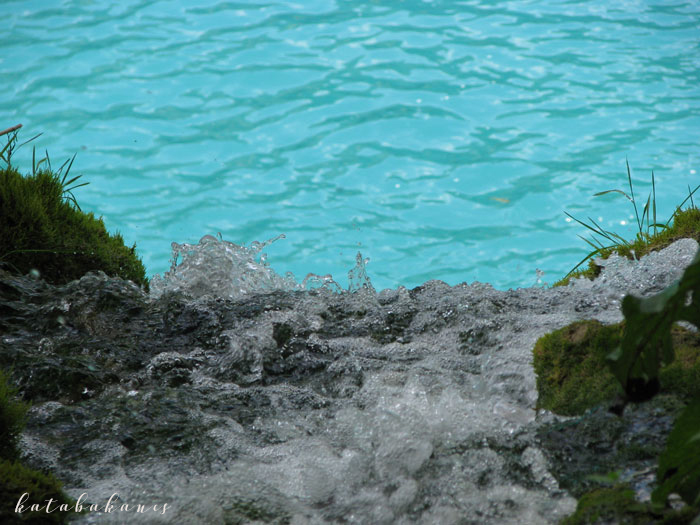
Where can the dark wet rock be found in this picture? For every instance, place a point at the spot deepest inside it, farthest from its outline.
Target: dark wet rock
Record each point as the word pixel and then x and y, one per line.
pixel 295 407
pixel 601 442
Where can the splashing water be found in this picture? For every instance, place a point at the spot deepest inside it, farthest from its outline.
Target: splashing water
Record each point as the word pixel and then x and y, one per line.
pixel 357 277
pixel 215 267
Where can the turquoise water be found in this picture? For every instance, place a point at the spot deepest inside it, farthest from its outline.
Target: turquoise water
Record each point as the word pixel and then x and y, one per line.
pixel 444 140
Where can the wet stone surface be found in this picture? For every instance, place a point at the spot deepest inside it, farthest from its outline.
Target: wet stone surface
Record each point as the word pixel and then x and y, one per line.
pixel 403 406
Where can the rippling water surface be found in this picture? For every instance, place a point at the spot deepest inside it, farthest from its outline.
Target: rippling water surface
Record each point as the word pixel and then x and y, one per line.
pixel 444 140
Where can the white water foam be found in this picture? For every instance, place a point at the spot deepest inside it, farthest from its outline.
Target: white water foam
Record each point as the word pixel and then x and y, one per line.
pixel 215 267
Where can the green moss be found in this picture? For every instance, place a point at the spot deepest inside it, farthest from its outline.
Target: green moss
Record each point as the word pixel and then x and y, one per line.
pixel 685 225
pixel 682 377
pixel 573 376
pixel 618 505
pixel 12 418
pixel 16 480
pixel 43 231
pixel 602 504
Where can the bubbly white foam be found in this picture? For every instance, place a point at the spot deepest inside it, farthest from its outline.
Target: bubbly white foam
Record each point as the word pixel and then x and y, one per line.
pixel 215 267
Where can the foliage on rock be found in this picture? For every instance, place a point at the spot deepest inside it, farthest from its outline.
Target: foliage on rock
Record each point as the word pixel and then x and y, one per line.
pixel 570 367
pixel 573 375
pixel 686 224
pixel 646 344
pixel 645 347
pixel 652 353
pixel 679 464
pixel 17 479
pixel 44 229
pixel 12 419
pixel 618 505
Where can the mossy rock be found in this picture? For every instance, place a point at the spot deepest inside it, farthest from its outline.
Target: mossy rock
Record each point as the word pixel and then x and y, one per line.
pixel 686 225
pixel 15 480
pixel 618 505
pixel 682 377
pixel 12 419
pixel 43 231
pixel 573 376
pixel 679 464
pixel 582 450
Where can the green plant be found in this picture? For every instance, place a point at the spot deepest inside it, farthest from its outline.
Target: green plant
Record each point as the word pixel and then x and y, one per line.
pixel 17 479
pixel 617 504
pixel 65 190
pixel 645 347
pixel 646 342
pixel 11 147
pixel 645 224
pixel 44 229
pixel 679 464
pixel 573 374
pixel 12 418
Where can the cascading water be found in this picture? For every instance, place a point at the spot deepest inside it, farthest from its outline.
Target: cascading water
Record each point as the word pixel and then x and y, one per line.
pixel 247 399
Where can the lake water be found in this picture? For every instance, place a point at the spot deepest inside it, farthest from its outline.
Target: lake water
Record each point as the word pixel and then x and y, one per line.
pixel 443 140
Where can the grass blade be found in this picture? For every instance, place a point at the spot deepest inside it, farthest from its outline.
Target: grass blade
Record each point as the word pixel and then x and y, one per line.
pixel 39 164
pixel 9 148
pixel 72 198
pixel 653 192
pixel 613 191
pixel 629 178
pixel 690 196
pixel 608 235
pixel 34 137
pixel 592 242
pixel 589 256
pixel 77 186
pixel 67 171
pixel 597 232
pixel 72 181
pixel 58 172
pixel 2 153
pixel 582 261
pixel 645 213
